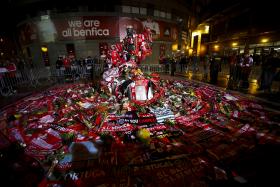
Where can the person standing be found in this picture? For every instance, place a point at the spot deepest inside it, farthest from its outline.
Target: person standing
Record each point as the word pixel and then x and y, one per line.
pixel 32 77
pixel 246 70
pixel 58 66
pixel 232 64
pixel 166 62
pixel 233 81
pixel 173 66
pixel 205 64
pixel 272 64
pixel 214 70
pixel 11 67
pixel 21 67
pixel 67 65
pixel 195 62
pixel 183 62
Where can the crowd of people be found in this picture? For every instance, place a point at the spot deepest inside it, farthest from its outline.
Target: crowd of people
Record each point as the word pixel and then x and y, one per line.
pixel 270 71
pixel 8 73
pixel 17 70
pixel 66 66
pixel 186 63
pixel 13 64
pixel 240 68
pixel 67 62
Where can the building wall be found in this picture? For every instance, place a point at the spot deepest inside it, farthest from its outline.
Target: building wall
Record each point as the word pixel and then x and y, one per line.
pixel 245 24
pixel 33 34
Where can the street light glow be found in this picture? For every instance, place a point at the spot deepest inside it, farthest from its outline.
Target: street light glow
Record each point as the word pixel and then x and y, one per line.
pixel 44 49
pixel 264 40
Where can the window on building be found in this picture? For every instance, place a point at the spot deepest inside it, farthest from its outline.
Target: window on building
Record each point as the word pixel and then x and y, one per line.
pixel 143 11
pixel 83 8
pixel 126 9
pixel 162 14
pixel 70 48
pixel 156 13
pixel 168 15
pixel 135 10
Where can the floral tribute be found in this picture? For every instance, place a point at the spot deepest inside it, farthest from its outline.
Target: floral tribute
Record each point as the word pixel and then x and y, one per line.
pixel 134 129
pixel 123 78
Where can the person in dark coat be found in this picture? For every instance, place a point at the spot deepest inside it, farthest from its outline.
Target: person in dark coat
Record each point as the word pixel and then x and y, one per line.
pixel 173 66
pixel 58 65
pixel 214 70
pixel 246 68
pixel 271 69
pixel 183 63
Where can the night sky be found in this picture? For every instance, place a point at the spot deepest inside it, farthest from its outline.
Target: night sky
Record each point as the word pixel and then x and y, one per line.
pixel 265 12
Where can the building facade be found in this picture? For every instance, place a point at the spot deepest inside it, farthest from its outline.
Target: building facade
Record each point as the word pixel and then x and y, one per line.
pixel 244 27
pixel 90 32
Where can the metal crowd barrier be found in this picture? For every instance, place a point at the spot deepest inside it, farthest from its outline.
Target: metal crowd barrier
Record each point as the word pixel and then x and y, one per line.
pixel 35 77
pixel 159 68
pixel 76 73
pixel 11 80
